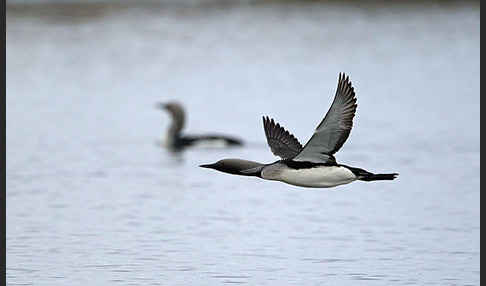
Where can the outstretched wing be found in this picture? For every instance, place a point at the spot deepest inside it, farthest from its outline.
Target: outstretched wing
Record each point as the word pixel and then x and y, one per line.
pixel 281 142
pixel 334 129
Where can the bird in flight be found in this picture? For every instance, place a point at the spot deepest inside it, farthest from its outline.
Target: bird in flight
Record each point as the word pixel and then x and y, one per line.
pixel 314 164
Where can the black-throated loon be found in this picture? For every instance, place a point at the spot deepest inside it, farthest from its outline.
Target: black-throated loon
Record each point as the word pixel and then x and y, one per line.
pixel 314 164
pixel 176 141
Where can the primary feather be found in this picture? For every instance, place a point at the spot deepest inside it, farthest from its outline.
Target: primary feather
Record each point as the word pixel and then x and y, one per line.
pixel 281 142
pixel 334 129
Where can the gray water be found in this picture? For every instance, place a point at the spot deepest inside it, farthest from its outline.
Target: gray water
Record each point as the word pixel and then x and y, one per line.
pixel 93 200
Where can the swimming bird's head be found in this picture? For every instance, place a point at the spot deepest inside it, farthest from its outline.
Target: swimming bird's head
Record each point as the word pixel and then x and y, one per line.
pixel 171 106
pixel 237 167
pixel 176 110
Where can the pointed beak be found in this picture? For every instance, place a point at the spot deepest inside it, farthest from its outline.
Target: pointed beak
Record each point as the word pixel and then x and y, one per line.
pixel 161 105
pixel 209 166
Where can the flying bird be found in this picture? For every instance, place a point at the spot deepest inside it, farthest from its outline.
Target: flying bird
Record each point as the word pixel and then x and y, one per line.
pixel 312 165
pixel 176 141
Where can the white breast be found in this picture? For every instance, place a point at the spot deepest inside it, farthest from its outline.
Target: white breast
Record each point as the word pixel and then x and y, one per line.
pixel 317 177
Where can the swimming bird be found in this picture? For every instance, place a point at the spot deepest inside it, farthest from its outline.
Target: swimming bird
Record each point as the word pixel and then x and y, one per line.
pixel 176 141
pixel 312 165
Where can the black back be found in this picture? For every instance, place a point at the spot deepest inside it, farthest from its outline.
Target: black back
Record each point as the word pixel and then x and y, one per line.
pixel 187 141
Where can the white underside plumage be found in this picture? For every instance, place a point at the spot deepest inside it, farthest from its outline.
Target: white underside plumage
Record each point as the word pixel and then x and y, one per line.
pixel 315 177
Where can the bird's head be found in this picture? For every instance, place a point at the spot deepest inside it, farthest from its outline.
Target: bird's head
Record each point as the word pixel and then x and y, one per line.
pixel 236 167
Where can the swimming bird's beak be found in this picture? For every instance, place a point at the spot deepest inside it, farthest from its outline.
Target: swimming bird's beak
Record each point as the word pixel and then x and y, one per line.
pixel 161 105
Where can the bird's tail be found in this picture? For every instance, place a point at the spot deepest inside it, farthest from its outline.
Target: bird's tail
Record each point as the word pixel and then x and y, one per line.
pixel 378 177
pixel 364 175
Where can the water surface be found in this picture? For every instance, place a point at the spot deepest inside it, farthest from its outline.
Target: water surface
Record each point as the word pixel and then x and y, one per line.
pixel 92 199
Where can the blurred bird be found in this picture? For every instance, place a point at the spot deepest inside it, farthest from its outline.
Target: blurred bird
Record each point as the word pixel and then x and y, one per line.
pixel 176 141
pixel 314 164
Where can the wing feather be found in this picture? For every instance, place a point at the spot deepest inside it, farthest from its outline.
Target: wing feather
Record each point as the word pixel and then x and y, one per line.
pixel 335 128
pixel 281 142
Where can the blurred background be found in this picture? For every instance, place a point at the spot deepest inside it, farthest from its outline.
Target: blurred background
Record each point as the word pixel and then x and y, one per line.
pixel 93 199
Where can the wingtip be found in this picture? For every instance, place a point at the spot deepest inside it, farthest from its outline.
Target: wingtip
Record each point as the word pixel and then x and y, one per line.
pixel 343 77
pixel 269 121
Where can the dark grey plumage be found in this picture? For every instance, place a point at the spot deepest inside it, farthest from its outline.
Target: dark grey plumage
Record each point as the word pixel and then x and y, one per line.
pixel 281 142
pixel 334 129
pixel 237 167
